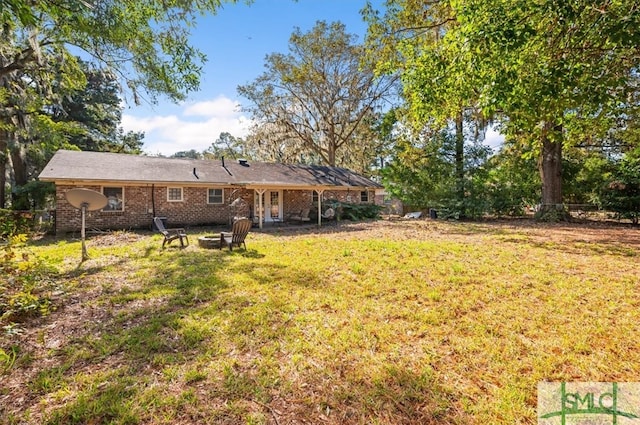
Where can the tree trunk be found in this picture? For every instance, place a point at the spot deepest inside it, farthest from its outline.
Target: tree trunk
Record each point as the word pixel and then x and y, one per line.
pixel 331 153
pixel 19 199
pixel 460 163
pixel 332 144
pixel 4 138
pixel 550 167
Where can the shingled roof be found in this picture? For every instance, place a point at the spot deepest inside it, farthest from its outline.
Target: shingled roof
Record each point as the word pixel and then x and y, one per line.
pixel 112 167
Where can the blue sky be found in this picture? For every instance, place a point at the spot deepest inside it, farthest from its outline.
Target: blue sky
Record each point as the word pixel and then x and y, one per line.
pixel 236 41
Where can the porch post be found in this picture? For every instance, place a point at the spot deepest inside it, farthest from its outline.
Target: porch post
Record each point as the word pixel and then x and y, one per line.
pixel 320 192
pixel 260 192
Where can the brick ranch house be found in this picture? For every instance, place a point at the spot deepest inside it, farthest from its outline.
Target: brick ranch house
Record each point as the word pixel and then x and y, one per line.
pixel 192 192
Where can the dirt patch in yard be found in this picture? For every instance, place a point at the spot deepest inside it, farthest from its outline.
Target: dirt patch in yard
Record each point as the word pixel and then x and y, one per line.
pixel 593 232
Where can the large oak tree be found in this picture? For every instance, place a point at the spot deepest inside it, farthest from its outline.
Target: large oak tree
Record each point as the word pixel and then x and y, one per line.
pixel 547 67
pixel 318 102
pixel 144 43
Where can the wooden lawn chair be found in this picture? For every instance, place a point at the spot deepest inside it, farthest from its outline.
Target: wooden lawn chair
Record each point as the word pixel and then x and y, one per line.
pixel 171 234
pixel 238 233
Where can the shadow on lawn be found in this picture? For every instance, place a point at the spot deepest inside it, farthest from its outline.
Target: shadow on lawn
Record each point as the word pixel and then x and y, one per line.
pixel 397 395
pixel 613 248
pixel 186 344
pixel 111 361
pixel 322 386
pixel 178 344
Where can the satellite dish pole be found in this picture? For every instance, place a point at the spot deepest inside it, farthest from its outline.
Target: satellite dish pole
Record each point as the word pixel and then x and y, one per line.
pixel 85 200
pixel 83 207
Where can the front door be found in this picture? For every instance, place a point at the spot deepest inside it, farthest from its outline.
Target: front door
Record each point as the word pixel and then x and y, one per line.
pixel 271 204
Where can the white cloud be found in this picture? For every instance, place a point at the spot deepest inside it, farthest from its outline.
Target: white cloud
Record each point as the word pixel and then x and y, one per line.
pixel 220 106
pixel 148 124
pixel 493 139
pixel 195 127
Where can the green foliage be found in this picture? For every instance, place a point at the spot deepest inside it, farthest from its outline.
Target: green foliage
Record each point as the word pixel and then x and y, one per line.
pixel 25 303
pixel 538 67
pixel 151 35
pixel 38 193
pixel 93 114
pixel 228 146
pixel 7 360
pixel 622 193
pixel 424 173
pixel 14 223
pixel 355 212
pixel 19 9
pixel 418 173
pixel 585 172
pixel 49 97
pixel 512 182
pixel 75 116
pixel 504 200
pixel 26 283
pixel 25 222
pixel 192 153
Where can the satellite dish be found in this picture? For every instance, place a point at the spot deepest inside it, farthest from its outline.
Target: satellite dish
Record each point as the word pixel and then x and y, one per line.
pixel 93 200
pixel 85 200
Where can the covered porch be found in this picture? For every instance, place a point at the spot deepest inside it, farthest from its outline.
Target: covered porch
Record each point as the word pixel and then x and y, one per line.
pixel 271 206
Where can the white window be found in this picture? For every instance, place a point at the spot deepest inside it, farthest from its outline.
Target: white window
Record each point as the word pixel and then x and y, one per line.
pixel 115 198
pixel 174 194
pixel 215 196
pixel 364 196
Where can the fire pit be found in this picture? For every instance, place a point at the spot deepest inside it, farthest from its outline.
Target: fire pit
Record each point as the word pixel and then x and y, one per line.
pixel 209 241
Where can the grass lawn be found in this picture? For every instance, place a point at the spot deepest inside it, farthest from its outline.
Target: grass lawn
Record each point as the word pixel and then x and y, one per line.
pixel 407 322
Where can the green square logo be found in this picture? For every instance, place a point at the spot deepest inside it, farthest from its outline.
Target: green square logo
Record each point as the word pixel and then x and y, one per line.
pixel 589 403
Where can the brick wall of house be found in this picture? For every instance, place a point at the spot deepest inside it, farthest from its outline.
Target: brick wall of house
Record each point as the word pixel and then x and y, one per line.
pixel 350 196
pixel 392 206
pixel 193 210
pixel 68 218
pixel 138 209
pixel 295 201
